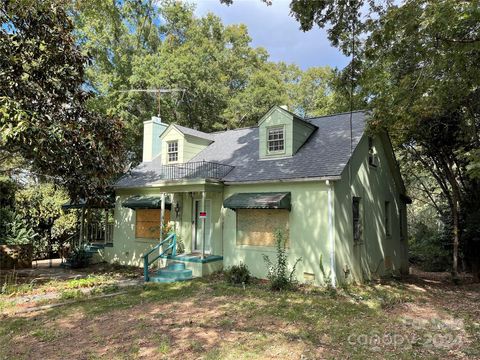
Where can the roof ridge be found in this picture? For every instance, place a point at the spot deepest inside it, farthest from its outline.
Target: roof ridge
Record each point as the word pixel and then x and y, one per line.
pixel 335 114
pixel 186 127
pixel 242 128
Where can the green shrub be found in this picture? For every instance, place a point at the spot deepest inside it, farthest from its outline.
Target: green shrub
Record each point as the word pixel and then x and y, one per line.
pixel 38 204
pixel 79 258
pixel 238 274
pixel 14 231
pixel 278 274
pixel 429 248
pixel 180 245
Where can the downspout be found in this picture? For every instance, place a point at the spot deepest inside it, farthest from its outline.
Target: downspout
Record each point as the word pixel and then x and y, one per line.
pixel 192 227
pixel 330 234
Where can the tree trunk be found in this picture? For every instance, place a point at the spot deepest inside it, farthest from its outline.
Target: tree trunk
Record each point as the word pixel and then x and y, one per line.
pixel 456 237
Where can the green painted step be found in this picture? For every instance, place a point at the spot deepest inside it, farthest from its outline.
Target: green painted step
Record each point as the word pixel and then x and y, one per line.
pixel 176 266
pixel 175 274
pixel 160 279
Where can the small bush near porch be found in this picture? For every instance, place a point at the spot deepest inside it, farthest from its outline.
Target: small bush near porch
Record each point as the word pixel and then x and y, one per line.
pixel 209 319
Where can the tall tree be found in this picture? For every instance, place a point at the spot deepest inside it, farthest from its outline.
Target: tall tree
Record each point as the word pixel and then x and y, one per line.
pixel 43 114
pixel 225 82
pixel 419 73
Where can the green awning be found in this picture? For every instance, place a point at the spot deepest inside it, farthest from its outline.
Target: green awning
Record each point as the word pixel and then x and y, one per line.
pixel 146 202
pixel 261 200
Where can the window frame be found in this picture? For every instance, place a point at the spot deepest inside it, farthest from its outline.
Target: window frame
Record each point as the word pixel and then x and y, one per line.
pixel 242 238
pixel 401 223
pixel 170 152
pixel 372 155
pixel 154 229
pixel 387 221
pixel 357 221
pixel 268 140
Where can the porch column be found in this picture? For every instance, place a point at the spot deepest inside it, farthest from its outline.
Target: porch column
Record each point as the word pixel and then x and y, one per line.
pixel 162 216
pixel 203 225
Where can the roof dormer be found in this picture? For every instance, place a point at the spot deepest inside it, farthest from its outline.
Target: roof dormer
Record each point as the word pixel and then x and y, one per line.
pixel 282 133
pixel 181 144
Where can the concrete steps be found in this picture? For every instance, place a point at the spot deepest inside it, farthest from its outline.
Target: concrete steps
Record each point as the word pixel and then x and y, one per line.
pixel 172 273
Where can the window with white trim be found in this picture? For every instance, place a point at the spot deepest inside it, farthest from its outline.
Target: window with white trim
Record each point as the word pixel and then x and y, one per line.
pixel 172 151
pixel 276 140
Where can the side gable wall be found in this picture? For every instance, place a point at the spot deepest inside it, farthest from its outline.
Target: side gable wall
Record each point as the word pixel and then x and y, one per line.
pixel 376 254
pixel 301 133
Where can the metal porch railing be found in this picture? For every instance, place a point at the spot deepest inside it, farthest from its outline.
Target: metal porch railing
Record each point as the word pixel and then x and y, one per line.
pixel 172 245
pixel 195 170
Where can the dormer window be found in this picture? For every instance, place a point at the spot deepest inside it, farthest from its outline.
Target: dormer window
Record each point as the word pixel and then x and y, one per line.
pixel 172 151
pixel 276 140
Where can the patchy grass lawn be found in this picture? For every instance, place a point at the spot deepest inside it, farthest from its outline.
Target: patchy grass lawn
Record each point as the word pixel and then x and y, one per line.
pixel 208 319
pixel 32 287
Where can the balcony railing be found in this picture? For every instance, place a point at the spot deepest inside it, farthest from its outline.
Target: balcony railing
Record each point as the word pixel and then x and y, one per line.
pixel 195 170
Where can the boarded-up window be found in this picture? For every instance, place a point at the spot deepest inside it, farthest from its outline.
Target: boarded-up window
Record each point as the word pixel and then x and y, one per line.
pixel 148 223
pixel 357 219
pixel 256 227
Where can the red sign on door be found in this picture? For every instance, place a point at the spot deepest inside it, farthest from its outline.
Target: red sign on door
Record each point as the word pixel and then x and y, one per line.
pixel 202 215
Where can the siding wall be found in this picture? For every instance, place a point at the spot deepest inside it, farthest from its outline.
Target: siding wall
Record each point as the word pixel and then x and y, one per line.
pixel 128 250
pixel 374 185
pixel 192 146
pixel 308 237
pixel 301 132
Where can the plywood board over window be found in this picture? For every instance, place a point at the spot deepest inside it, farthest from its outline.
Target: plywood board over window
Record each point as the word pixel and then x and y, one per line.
pixel 148 223
pixel 257 227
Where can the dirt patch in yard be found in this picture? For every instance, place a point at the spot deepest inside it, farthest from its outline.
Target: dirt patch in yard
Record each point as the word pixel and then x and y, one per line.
pixel 208 319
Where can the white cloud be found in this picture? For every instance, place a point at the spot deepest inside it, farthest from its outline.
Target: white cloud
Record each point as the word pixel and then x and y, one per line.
pixel 273 28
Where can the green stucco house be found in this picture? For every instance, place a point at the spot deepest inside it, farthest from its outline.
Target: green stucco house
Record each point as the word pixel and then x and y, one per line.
pixel 335 192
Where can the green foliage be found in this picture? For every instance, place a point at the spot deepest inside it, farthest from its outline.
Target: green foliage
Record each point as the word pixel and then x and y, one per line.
pixel 429 248
pixel 227 82
pixel 7 192
pixel 180 245
pixel 37 203
pixel 43 114
pixel 278 273
pixel 10 285
pixel 416 67
pixel 238 274
pixel 79 258
pixel 14 230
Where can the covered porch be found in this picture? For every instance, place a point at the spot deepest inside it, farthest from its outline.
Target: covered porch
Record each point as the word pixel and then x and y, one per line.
pixel 189 208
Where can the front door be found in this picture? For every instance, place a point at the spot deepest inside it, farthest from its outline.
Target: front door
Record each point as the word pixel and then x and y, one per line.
pixel 198 235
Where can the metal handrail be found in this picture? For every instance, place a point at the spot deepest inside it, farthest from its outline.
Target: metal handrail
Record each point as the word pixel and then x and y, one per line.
pixel 173 245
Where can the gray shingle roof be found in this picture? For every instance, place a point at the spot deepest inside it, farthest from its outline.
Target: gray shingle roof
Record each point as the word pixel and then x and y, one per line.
pixel 193 132
pixel 325 154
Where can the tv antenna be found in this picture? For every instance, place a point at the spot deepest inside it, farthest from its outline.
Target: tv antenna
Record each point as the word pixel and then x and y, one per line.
pixel 157 93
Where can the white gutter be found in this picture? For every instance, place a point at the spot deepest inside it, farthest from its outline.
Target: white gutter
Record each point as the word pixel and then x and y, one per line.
pixel 330 234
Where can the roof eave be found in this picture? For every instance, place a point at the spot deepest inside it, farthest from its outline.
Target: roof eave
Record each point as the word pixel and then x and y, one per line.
pixel 307 179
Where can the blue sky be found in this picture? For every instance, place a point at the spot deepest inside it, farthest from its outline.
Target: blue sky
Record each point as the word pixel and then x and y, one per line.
pixel 274 29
